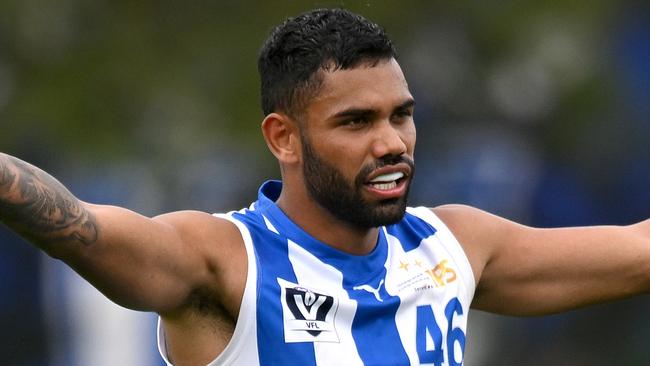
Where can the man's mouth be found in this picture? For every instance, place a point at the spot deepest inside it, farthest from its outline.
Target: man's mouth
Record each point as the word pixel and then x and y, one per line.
pixel 387 181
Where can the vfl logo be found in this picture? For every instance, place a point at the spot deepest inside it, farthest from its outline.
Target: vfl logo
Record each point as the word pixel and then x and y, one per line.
pixel 308 314
pixel 371 289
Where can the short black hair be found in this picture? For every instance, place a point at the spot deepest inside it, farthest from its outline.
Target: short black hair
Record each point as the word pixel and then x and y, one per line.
pixel 297 50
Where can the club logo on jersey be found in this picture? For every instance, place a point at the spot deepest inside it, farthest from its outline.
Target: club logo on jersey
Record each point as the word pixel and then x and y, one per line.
pixel 308 314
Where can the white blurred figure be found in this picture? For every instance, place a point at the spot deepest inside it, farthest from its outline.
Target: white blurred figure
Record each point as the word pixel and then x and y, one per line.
pixel 85 328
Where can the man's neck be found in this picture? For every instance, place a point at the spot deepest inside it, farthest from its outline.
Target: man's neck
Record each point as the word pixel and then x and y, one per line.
pixel 322 225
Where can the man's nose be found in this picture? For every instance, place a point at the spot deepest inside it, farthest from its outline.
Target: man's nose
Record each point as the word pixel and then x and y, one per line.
pixel 388 141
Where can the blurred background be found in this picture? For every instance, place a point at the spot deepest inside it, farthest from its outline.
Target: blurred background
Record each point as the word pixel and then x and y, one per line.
pixel 535 110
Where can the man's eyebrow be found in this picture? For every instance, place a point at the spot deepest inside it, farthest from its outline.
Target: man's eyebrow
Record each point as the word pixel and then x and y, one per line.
pixel 356 112
pixel 406 105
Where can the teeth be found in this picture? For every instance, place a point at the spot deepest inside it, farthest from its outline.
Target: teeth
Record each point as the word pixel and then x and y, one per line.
pixel 384 186
pixel 390 177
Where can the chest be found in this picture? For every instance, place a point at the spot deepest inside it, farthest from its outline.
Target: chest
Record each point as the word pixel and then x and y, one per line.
pixel 394 312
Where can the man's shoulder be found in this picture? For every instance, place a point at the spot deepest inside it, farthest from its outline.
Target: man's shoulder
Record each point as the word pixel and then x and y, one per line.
pixel 202 227
pixel 192 217
pixel 467 219
pixel 460 220
pixel 451 215
pixel 456 214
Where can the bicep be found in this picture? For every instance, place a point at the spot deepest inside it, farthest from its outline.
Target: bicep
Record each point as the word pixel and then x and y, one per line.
pixel 541 271
pixel 136 261
pixel 528 271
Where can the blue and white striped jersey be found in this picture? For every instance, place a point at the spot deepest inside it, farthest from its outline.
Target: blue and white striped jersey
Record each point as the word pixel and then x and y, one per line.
pixel 306 303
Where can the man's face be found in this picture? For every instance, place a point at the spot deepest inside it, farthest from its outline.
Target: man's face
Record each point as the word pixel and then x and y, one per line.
pixel 358 142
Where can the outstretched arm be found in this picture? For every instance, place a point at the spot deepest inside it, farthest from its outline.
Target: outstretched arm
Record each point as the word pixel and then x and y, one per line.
pixel 528 271
pixel 41 209
pixel 141 263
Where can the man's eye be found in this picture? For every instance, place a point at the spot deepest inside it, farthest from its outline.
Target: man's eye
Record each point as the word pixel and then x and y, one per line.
pixel 401 117
pixel 404 113
pixel 355 121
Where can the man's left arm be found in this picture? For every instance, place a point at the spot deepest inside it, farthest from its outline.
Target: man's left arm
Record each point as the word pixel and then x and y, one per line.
pixel 529 271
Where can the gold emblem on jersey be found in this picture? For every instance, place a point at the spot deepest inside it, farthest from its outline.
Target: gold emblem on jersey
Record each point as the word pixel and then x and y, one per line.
pixel 417 275
pixel 441 274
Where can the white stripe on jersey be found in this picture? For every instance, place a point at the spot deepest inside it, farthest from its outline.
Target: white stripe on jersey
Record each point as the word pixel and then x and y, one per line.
pixel 405 326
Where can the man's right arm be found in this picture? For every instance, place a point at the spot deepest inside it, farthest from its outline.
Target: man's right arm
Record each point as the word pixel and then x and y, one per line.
pixel 138 262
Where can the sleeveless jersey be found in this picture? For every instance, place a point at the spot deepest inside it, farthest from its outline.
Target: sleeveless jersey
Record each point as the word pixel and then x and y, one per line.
pixel 306 303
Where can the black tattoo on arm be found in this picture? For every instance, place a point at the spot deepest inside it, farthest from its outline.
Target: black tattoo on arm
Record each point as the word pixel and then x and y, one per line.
pixel 40 208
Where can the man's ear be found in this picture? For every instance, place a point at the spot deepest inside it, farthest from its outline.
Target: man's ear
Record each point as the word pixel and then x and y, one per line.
pixel 282 137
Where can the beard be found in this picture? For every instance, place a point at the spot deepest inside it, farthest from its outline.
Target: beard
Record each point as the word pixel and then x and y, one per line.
pixel 344 200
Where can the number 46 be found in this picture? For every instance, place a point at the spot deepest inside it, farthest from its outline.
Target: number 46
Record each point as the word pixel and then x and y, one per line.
pixel 427 328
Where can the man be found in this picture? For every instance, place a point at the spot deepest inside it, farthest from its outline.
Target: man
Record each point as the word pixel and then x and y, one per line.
pixel 328 267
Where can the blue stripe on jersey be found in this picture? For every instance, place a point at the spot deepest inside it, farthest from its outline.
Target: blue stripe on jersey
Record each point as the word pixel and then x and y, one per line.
pixel 411 231
pixel 373 328
pixel 273 262
pixel 375 331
